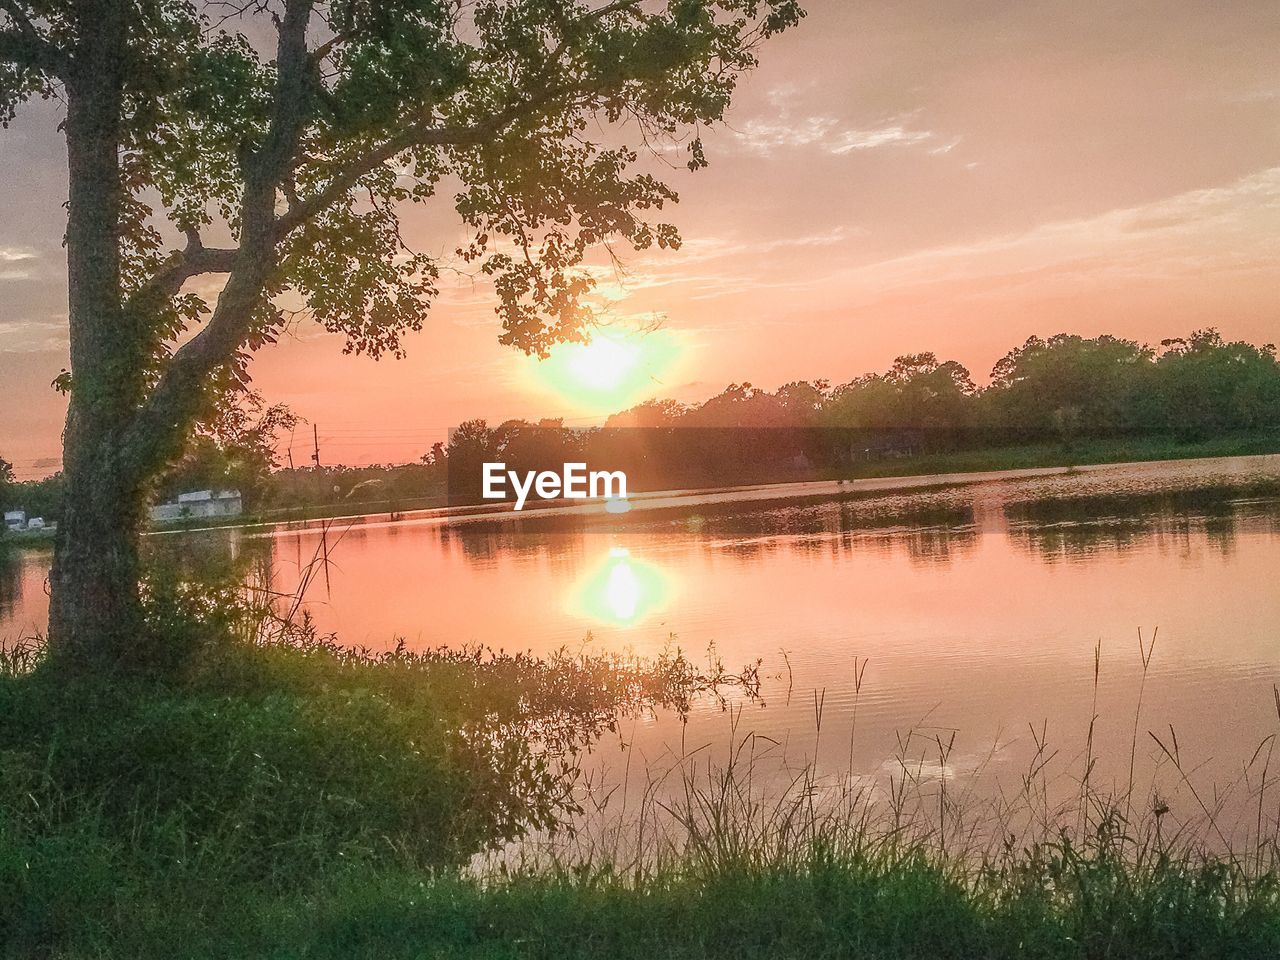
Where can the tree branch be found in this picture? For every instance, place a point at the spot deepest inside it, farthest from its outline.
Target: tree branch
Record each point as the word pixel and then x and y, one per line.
pixel 23 45
pixel 319 53
pixel 179 267
pixel 175 401
pixel 304 209
pixel 157 430
pixel 159 426
pixel 288 117
pixel 419 135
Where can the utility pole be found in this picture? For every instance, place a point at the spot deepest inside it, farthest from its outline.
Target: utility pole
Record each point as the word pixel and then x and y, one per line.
pixel 315 459
pixel 324 524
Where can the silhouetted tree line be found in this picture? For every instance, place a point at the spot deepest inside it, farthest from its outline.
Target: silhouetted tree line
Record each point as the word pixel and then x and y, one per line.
pixel 1060 390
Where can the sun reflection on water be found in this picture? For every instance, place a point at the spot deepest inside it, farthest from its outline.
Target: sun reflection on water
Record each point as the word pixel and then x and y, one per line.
pixel 621 590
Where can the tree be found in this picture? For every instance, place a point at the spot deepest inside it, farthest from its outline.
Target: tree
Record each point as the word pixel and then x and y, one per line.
pixel 178 126
pixel 1205 385
pixel 235 448
pixel 1067 385
pixel 6 481
pixel 917 392
pixel 650 413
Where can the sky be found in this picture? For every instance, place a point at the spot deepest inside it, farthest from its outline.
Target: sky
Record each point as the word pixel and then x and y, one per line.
pixel 896 177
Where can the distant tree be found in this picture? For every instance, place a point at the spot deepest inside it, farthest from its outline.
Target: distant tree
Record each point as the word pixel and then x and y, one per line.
pixel 471 444
pixel 918 392
pixel 435 456
pixel 1068 385
pixel 931 394
pixel 38 498
pixel 1205 385
pixel 801 400
pixel 738 405
pixel 176 124
pixel 6 482
pixel 651 413
pixel 236 448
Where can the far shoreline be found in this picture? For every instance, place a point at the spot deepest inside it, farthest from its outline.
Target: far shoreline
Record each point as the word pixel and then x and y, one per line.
pixel 907 473
pixel 948 472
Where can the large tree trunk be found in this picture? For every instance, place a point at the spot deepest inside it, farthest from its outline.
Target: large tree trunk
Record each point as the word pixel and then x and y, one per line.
pixel 94 614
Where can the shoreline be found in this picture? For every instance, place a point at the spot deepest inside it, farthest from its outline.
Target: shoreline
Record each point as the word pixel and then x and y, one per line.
pixel 951 469
pixel 694 496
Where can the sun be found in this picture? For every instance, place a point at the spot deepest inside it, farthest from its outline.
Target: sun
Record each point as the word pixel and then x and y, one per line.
pixel 613 370
pixel 603 364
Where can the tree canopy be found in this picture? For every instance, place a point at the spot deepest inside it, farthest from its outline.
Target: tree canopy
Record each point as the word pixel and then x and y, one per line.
pixel 6 479
pixel 1047 389
pixel 527 116
pixel 232 166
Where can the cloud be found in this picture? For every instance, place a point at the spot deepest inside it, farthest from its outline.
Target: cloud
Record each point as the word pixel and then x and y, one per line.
pixel 829 134
pixel 1232 227
pixel 17 263
pixel 850 141
pixel 32 336
pixel 702 249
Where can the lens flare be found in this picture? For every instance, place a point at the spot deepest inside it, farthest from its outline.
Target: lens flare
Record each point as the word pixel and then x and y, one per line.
pixel 621 590
pixel 604 363
pixel 613 370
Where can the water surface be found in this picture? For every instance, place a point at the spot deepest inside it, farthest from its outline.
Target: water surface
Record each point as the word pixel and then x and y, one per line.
pixel 978 607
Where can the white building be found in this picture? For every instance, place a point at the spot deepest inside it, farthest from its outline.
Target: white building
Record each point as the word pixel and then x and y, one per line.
pixel 15 520
pixel 199 504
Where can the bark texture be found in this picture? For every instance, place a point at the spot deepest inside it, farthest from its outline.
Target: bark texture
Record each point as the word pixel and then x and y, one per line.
pixel 94 614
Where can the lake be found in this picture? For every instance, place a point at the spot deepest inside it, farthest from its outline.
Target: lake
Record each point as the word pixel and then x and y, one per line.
pixel 977 604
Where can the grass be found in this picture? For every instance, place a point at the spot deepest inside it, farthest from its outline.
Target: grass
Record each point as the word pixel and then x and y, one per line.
pixel 837 905
pixel 1079 453
pixel 726 885
pixel 284 797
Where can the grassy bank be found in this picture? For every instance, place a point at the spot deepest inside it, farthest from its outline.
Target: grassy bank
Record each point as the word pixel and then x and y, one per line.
pixel 283 797
pixel 1062 906
pixel 1078 454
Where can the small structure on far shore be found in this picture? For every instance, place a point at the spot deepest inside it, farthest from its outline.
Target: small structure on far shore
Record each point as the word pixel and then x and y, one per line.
pixel 199 504
pixel 17 521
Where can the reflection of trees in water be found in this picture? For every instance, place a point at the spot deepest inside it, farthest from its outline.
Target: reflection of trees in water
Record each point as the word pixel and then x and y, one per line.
pixel 1063 528
pixel 483 541
pixel 932 526
pixel 210 557
pixel 928 530
pixel 10 580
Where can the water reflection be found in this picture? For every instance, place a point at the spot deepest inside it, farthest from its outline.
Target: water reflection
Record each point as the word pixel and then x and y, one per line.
pixel 979 606
pixel 1075 528
pixel 621 590
pixel 10 582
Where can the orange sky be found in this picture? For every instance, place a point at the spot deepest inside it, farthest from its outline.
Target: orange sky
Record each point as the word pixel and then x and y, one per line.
pixel 896 177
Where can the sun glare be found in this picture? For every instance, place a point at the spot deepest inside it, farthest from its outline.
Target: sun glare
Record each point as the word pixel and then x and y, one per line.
pixel 620 590
pixel 610 372
pixel 604 363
